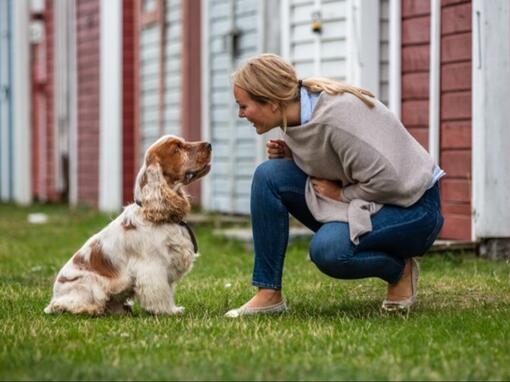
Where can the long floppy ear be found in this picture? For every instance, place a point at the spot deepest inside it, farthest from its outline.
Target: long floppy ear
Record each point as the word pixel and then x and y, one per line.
pixel 160 203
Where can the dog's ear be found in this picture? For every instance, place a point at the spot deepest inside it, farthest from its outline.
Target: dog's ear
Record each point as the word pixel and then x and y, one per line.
pixel 160 203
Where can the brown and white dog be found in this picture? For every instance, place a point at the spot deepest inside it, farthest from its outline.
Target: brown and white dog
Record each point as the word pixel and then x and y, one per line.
pixel 147 248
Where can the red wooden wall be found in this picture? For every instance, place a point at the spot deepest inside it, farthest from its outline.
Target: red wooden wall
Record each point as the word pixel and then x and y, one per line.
pixel 43 122
pixel 38 121
pixel 191 80
pixel 129 135
pixel 415 67
pixel 87 26
pixel 456 118
pixel 455 114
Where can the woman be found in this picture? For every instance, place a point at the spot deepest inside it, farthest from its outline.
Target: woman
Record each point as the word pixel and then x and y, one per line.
pixel 348 170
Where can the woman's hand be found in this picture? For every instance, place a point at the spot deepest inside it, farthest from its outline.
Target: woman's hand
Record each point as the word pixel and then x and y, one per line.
pixel 277 148
pixel 328 188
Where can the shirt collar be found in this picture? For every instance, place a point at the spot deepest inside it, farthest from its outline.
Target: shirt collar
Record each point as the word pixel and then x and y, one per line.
pixel 308 102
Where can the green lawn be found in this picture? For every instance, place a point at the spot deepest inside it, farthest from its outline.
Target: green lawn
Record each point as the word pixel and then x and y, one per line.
pixel 334 330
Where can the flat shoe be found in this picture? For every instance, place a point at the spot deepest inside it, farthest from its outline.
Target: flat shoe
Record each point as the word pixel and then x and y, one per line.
pixel 246 311
pixel 406 304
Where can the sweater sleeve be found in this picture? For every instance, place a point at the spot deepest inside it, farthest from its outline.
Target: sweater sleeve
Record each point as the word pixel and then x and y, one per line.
pixel 371 175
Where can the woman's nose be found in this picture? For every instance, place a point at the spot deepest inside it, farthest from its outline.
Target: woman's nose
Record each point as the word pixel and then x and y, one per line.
pixel 241 114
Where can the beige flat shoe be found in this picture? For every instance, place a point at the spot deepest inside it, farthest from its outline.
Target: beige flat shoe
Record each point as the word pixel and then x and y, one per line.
pixel 246 311
pixel 408 303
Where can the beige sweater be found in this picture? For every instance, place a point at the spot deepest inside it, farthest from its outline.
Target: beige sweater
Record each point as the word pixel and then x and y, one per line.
pixel 368 150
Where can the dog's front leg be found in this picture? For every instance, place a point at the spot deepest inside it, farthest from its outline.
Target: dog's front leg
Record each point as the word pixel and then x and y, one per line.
pixel 155 294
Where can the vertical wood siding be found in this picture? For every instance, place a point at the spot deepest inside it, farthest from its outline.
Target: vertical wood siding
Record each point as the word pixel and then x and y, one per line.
pixel 128 100
pixel 384 48
pixel 234 141
pixel 6 128
pixel 191 102
pixel 49 145
pixel 87 29
pixel 415 67
pixel 39 121
pixel 455 157
pixel 149 86
pixel 333 39
pixel 173 68
pixel 455 107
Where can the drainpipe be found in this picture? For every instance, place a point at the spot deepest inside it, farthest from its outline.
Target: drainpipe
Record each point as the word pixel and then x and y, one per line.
pixel 435 79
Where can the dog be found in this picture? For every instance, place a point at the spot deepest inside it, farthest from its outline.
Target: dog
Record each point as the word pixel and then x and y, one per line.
pixel 143 252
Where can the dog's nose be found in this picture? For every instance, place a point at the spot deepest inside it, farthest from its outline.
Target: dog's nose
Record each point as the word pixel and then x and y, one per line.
pixel 208 146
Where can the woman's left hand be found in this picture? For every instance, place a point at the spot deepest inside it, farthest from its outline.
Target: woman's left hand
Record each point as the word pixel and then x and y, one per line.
pixel 328 188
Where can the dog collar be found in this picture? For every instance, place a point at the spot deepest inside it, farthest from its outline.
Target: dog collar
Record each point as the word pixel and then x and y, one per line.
pixel 191 235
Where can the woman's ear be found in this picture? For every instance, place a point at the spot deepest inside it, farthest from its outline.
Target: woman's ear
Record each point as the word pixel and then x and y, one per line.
pixel 160 203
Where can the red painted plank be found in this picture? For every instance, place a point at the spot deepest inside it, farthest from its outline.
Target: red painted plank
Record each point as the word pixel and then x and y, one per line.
pixel 456 135
pixel 415 85
pixel 415 113
pixel 456 190
pixel 416 30
pixel 455 208
pixel 456 163
pixel 456 47
pixel 456 19
pixel 415 8
pixel 456 76
pixel 456 105
pixel 415 58
pixel 456 227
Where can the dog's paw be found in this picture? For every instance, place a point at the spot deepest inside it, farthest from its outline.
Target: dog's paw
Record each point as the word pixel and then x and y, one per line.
pixel 177 310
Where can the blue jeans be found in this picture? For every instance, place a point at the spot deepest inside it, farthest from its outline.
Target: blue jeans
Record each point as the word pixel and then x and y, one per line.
pixel 278 188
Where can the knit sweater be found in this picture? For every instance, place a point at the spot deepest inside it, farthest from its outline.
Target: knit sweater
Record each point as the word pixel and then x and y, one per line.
pixel 368 151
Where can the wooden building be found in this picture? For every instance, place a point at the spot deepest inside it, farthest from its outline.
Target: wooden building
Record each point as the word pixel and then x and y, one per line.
pixel 92 83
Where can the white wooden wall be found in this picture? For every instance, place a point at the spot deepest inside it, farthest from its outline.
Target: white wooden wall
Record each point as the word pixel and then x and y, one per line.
pixel 311 53
pixel 5 101
pixel 491 116
pixel 384 51
pixel 352 45
pixel 21 108
pixel 173 78
pixel 236 145
pixel 149 86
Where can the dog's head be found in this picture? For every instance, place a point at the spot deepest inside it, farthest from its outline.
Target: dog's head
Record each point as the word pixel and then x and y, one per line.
pixel 170 163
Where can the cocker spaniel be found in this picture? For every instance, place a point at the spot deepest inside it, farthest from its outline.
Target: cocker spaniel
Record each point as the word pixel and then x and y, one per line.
pixel 147 248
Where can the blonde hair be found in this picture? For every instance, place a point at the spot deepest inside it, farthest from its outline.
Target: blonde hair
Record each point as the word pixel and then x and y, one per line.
pixel 269 78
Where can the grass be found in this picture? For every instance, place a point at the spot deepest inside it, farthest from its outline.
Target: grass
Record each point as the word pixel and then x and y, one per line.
pixel 334 330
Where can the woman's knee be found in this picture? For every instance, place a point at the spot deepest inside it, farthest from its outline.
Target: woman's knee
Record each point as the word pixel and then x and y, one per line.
pixel 273 169
pixel 330 256
pixel 264 171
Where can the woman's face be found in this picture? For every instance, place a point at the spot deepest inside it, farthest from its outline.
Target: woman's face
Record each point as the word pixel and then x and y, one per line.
pixel 263 116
